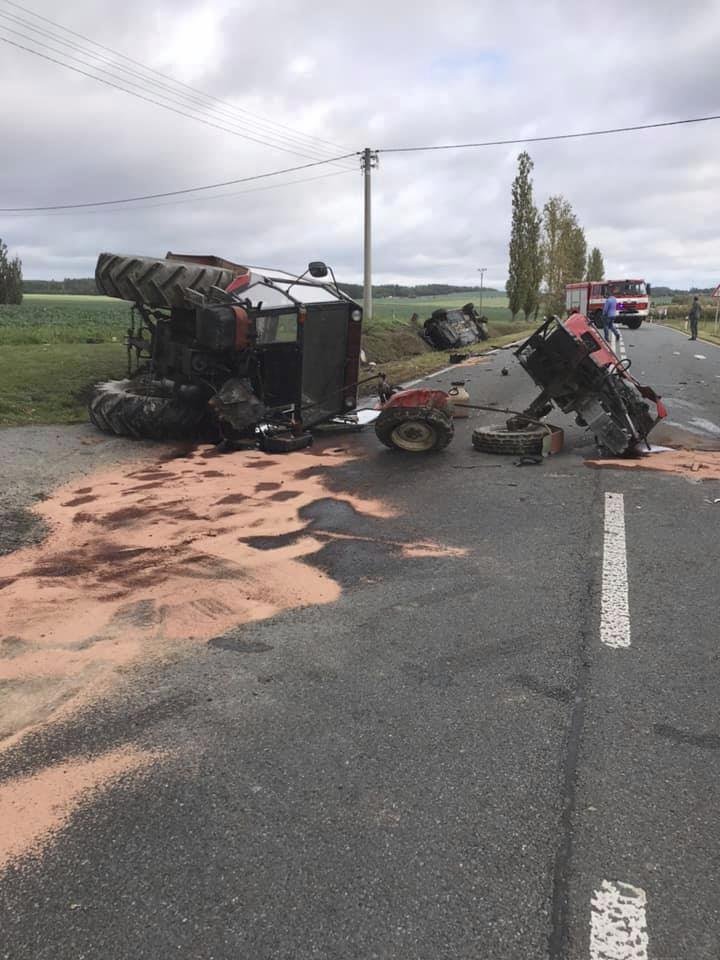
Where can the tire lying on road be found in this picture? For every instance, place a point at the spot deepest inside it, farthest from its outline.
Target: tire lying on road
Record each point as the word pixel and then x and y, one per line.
pixel 156 283
pixel 497 439
pixel 149 411
pixel 414 429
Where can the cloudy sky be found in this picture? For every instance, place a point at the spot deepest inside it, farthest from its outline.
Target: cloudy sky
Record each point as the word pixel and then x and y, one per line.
pixel 317 80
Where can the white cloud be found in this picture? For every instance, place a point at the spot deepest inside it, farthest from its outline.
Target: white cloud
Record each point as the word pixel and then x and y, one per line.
pixel 382 75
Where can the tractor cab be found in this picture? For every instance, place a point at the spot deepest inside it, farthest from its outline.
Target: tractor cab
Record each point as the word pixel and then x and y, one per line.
pixel 257 349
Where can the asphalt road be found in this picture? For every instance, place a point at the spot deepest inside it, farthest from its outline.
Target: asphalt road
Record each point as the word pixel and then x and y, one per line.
pixel 445 763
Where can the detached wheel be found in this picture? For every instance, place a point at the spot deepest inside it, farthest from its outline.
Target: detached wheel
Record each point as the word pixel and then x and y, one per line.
pixel 501 440
pixel 149 411
pixel 413 429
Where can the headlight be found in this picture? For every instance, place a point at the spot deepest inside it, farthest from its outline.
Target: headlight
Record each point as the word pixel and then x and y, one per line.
pixel 356 315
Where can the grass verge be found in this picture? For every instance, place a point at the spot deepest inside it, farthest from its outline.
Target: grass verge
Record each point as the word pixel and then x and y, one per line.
pixel 52 384
pixel 706 330
pixel 411 368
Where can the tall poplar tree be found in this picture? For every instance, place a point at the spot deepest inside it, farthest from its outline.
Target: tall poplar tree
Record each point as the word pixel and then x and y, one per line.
pixel 525 263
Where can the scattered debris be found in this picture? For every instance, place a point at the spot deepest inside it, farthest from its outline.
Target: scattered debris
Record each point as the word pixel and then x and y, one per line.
pixel 459 397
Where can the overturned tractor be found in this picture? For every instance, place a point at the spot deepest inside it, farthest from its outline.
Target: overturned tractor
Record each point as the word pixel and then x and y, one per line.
pixel 220 351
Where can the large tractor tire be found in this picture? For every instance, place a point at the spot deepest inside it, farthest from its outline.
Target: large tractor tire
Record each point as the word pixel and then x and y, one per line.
pixel 156 283
pixel 145 411
pixel 504 441
pixel 414 429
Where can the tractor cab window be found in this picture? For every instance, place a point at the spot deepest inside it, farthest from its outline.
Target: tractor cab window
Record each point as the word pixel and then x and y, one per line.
pixel 276 328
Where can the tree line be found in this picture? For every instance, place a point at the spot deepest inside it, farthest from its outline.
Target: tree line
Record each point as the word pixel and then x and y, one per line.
pixel 11 280
pixel 547 249
pixel 418 291
pixel 70 285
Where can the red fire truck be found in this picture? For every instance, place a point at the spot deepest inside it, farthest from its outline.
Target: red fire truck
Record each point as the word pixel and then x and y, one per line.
pixel 633 300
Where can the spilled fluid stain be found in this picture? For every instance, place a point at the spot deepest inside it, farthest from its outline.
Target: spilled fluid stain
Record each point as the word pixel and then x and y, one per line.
pixel 694 465
pixel 143 561
pixel 34 808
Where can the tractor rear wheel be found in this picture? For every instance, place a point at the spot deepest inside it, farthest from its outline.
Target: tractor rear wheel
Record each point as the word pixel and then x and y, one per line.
pixel 156 283
pixel 414 429
pixel 150 411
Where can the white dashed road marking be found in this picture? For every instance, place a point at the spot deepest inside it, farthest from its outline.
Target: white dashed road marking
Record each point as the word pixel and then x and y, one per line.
pixel 614 605
pixel 618 925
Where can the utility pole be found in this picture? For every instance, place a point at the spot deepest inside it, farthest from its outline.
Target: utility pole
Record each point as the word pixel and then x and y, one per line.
pixel 368 162
pixel 481 271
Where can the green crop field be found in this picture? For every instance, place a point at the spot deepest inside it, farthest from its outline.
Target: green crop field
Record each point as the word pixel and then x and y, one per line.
pixel 54 347
pixel 54 318
pixel 400 310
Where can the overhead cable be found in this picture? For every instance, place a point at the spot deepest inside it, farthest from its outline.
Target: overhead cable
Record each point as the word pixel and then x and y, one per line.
pixel 556 136
pixel 165 90
pixel 179 83
pixel 147 99
pixel 173 202
pixel 175 193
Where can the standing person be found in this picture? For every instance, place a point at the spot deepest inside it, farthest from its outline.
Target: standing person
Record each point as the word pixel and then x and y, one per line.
pixel 608 315
pixel 694 317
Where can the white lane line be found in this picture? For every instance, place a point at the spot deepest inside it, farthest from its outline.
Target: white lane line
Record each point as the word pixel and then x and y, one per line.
pixel 615 605
pixel 618 924
pixel 623 354
pixel 429 376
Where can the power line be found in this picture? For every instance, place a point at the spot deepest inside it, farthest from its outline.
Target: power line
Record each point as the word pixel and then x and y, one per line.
pixel 140 96
pixel 557 136
pixel 172 80
pixel 195 102
pixel 176 193
pixel 169 203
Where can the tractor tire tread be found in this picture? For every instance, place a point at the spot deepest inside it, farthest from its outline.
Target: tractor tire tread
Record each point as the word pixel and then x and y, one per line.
pixel 121 407
pixel 156 282
pixel 500 440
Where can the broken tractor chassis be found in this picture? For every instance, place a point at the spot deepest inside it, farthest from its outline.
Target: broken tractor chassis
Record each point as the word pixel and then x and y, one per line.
pixel 577 372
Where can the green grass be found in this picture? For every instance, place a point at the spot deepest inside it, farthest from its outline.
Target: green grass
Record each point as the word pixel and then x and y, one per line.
pixel 54 347
pixel 706 329
pixel 51 384
pixel 53 318
pixel 386 311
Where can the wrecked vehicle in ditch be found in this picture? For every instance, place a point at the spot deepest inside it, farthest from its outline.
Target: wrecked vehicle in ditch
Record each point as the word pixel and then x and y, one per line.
pixel 221 351
pixel 449 329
